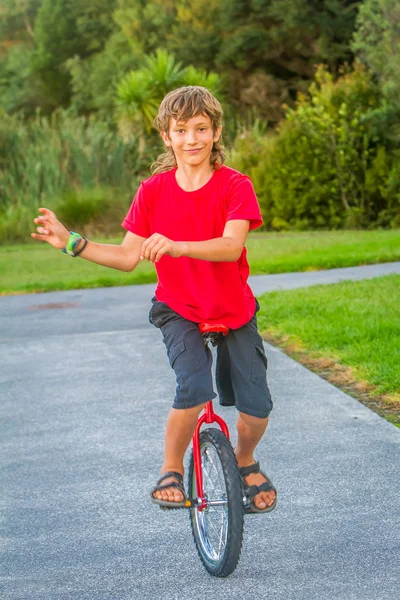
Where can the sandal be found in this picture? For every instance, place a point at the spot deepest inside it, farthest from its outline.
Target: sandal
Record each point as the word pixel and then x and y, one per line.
pixel 174 484
pixel 252 490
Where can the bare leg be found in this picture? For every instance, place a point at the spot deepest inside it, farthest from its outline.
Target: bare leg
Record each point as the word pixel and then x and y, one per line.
pixel 180 428
pixel 250 431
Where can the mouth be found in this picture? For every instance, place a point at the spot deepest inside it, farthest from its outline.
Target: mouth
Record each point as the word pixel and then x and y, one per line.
pixel 194 151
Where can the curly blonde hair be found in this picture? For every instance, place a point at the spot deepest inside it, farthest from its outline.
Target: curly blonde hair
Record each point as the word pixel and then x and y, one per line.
pixel 183 104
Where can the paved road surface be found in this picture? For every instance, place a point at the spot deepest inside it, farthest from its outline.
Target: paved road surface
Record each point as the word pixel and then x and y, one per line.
pixel 85 391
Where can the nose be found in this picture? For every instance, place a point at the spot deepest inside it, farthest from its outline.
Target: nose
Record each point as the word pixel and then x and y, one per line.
pixel 191 137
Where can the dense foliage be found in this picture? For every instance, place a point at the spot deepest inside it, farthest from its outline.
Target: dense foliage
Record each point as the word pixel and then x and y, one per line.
pixel 265 49
pixel 80 82
pixel 330 164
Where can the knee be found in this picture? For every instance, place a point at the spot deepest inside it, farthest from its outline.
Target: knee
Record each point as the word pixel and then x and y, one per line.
pixel 189 411
pixel 252 421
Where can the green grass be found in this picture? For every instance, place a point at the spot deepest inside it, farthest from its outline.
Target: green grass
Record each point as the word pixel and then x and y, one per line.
pixel 355 323
pixel 36 267
pixel 306 251
pixel 40 268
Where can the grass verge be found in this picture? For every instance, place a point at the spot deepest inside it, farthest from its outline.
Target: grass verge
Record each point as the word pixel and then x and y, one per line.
pixel 349 333
pixel 36 267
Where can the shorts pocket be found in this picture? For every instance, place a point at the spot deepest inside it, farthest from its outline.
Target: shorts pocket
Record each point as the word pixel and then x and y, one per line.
pixel 175 351
pixel 182 360
pixel 260 363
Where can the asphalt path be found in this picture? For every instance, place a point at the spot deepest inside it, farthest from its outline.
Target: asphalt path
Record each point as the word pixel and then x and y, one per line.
pixel 85 392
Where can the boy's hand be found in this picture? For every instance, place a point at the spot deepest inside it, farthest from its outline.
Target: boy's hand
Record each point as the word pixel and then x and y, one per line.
pixel 157 245
pixel 50 229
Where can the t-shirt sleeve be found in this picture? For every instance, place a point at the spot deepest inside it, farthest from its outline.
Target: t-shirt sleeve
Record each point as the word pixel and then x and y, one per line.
pixel 137 219
pixel 243 203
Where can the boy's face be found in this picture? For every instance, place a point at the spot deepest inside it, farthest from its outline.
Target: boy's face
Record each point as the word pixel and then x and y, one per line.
pixel 192 140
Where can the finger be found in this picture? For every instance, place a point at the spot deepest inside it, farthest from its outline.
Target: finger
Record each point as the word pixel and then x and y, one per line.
pixel 149 249
pixel 46 212
pixel 38 237
pixel 43 220
pixel 143 251
pixel 145 246
pixel 157 249
pixel 160 253
pixel 150 239
pixel 43 230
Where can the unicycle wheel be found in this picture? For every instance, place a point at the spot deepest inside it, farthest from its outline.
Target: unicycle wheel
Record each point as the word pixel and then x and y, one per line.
pixel 217 529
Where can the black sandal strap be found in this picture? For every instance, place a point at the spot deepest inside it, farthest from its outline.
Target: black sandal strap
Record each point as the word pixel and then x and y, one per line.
pixel 254 468
pixel 253 490
pixel 175 474
pixel 173 484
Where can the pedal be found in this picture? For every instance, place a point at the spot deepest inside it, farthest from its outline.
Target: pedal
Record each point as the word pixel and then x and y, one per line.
pixel 188 504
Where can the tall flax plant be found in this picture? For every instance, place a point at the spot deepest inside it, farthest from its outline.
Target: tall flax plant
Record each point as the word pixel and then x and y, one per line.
pixel 42 159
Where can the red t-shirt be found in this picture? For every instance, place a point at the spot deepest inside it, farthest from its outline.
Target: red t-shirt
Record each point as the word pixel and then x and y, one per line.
pixel 199 290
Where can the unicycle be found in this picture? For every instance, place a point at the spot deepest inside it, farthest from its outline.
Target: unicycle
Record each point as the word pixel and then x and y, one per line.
pixel 215 487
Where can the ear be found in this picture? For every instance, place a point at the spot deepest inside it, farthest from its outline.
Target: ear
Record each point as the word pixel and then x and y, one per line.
pixel 217 133
pixel 165 138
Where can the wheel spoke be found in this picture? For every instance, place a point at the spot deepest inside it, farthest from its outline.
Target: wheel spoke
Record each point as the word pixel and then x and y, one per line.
pixel 218 527
pixel 213 520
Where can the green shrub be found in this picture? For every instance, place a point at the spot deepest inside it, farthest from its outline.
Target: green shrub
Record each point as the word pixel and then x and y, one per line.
pixel 93 212
pixel 97 211
pixel 327 166
pixel 44 157
pixel 16 224
pixel 57 161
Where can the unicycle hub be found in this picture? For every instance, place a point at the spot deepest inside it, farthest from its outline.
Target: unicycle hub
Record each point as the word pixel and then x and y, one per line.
pixel 201 504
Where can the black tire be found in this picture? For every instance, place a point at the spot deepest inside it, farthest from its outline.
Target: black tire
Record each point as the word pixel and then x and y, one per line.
pixel 214 442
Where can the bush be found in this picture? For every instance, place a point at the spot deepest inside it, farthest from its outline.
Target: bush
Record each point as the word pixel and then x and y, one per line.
pixel 57 161
pixel 92 212
pixel 16 224
pixel 44 157
pixel 327 165
pixel 96 211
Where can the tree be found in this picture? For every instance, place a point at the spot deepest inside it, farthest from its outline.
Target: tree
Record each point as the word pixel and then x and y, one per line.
pixel 376 42
pixel 16 22
pixel 94 80
pixel 196 32
pixel 324 166
pixel 18 88
pixel 64 29
pixel 265 50
pixel 146 24
pixel 272 46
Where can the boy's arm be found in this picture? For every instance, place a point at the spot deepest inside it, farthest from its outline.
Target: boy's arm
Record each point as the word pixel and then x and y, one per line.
pixel 227 248
pixel 124 257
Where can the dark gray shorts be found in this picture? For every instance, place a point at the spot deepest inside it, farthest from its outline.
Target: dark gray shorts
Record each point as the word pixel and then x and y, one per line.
pixel 241 371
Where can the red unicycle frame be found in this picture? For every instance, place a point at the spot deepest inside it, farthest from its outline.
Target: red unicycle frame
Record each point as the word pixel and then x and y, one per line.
pixel 208 416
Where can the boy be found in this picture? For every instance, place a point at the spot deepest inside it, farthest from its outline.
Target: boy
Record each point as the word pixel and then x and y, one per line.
pixel 193 197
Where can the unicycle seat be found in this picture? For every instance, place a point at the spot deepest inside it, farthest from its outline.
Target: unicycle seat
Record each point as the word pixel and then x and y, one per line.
pixel 218 328
pixel 213 333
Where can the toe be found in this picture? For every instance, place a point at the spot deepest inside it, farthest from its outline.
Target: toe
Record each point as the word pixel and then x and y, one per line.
pixel 269 498
pixel 260 502
pixel 169 494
